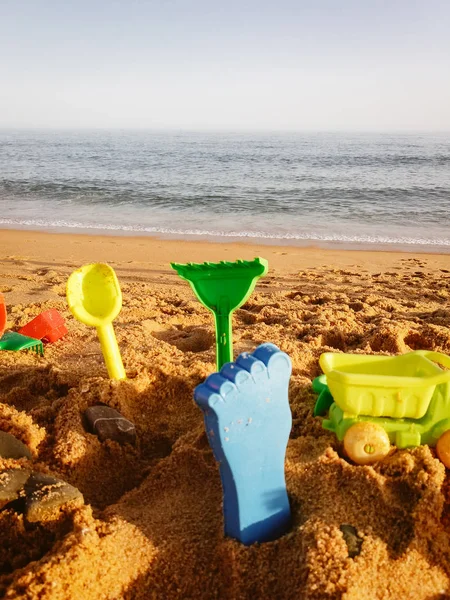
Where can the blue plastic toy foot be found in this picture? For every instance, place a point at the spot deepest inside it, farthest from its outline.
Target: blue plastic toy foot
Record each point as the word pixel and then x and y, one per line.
pixel 248 421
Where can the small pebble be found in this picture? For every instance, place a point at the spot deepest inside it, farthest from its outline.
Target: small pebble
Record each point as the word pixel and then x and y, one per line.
pixel 11 482
pixel 11 447
pixel 45 495
pixel 353 541
pixel 108 424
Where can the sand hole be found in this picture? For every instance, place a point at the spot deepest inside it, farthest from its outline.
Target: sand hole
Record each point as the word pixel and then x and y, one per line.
pixel 188 339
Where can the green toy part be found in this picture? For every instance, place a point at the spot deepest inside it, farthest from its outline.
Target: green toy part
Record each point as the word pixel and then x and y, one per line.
pixel 325 399
pixel 222 288
pixel 15 341
pixel 407 396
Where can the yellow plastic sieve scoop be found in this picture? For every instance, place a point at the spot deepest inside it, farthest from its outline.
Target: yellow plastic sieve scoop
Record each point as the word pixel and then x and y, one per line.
pixel 95 299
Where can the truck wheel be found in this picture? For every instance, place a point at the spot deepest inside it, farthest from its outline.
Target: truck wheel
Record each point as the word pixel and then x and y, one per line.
pixel 366 442
pixel 443 448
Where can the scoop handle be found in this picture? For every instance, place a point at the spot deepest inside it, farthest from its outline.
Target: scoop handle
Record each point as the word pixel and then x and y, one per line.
pixel 111 352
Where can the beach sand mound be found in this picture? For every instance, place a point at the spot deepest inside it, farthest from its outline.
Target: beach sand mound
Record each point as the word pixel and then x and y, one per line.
pixel 150 523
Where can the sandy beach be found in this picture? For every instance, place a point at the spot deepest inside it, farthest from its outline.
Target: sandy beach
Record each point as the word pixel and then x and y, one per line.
pixel 150 522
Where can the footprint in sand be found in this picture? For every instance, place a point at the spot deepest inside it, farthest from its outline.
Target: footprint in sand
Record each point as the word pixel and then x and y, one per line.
pixel 187 339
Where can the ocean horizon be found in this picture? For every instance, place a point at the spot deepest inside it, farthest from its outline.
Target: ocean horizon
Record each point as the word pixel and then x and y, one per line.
pixel 354 190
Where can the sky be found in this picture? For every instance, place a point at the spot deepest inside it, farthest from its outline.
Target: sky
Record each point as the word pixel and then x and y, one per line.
pixel 322 65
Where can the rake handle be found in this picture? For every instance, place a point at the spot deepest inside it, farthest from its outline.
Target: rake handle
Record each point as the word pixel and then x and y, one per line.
pixel 224 339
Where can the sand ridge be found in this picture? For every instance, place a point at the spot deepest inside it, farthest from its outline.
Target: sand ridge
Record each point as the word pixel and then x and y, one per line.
pixel 151 524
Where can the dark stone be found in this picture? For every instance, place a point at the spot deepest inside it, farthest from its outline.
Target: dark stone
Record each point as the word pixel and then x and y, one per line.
pixel 12 482
pixel 11 447
pixel 108 424
pixel 45 495
pixel 353 541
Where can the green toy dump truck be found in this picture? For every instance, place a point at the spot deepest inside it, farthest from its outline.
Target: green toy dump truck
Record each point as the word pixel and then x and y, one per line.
pixel 373 401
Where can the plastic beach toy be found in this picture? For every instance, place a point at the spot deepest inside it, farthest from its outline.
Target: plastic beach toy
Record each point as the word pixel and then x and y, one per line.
pixel 2 314
pixel 379 400
pixel 222 288
pixel 12 340
pixel 248 421
pixel 95 299
pixel 15 341
pixel 49 326
pixel 325 399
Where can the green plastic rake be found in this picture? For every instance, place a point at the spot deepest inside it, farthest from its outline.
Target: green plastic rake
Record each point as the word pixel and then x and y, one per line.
pixel 222 288
pixel 15 341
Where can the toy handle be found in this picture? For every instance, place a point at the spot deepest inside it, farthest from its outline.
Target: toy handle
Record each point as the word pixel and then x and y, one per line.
pixel 440 358
pixel 224 341
pixel 111 352
pixel 2 314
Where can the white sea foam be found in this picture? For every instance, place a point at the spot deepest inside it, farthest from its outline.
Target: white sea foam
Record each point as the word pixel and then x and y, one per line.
pixel 260 235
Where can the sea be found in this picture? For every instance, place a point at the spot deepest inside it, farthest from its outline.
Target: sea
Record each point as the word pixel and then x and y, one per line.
pixel 352 190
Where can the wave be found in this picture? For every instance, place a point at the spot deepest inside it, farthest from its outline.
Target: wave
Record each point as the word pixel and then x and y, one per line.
pixel 260 235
